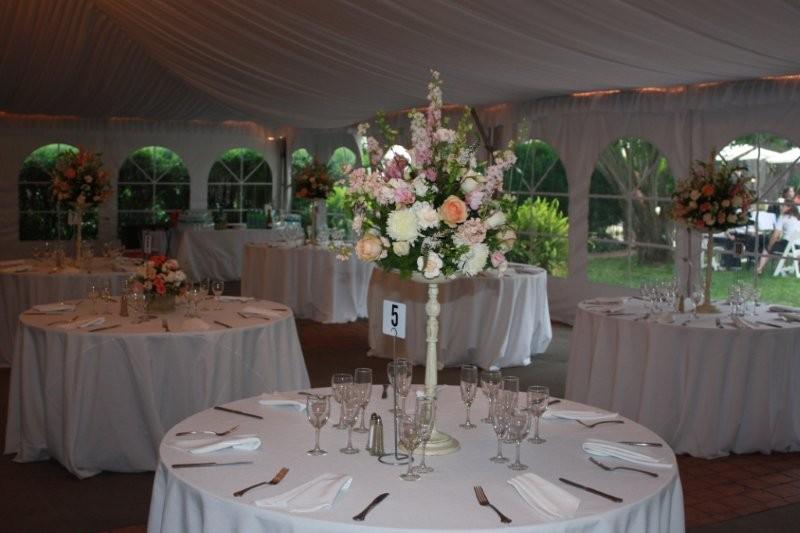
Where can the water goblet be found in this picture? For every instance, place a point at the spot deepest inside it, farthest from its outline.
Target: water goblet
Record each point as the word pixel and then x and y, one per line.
pixel 93 294
pixel 490 384
pixel 362 378
pixel 697 299
pixel 425 414
pixel 519 423
pixel 351 403
pixel 105 295
pixel 402 369
pixel 537 405
pixel 318 409
pixel 217 287
pixel 202 287
pixel 469 387
pixel 410 438
pixel 500 422
pixel 338 384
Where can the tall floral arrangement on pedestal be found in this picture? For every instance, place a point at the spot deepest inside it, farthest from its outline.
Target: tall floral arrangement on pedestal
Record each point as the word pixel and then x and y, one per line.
pixel 438 212
pixel 715 197
pixel 80 182
pixel 314 182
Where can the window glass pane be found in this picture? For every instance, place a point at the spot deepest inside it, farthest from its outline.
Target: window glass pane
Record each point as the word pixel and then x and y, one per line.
pixel 256 196
pixel 172 197
pixel 240 179
pixel 223 197
pixel 36 203
pixel 135 196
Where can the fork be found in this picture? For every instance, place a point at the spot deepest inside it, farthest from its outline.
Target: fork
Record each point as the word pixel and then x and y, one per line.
pixel 274 481
pixel 612 468
pixel 484 501
pixel 590 426
pixel 217 433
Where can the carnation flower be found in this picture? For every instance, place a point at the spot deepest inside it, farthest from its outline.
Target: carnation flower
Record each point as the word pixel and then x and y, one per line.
pixel 474 260
pixel 473 231
pixel 402 225
pixel 430 266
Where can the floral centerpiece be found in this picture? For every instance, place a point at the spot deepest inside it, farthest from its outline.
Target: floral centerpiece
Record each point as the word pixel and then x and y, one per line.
pixel 160 279
pixel 314 182
pixel 79 181
pixel 714 198
pixel 438 212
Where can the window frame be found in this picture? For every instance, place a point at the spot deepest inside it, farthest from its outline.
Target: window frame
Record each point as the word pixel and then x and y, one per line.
pixel 240 182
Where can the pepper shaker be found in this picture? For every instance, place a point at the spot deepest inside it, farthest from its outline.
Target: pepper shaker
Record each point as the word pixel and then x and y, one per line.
pixel 377 448
pixel 373 419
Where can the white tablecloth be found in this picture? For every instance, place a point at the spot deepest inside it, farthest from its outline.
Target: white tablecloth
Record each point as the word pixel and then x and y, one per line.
pixel 23 290
pixel 707 391
pixel 487 320
pixel 309 279
pixel 103 401
pixel 200 499
pixel 215 254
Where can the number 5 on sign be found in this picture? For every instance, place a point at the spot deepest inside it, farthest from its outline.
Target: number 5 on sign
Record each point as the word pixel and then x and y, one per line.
pixel 394 319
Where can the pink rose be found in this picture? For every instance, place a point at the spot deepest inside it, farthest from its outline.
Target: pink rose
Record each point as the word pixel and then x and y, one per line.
pixel 499 260
pixel 453 211
pixel 369 247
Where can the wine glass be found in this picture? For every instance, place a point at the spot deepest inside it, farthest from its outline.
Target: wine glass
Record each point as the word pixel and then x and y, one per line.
pixel 511 384
pixel 351 403
pixel 519 423
pixel 756 294
pixel 410 437
pixel 192 296
pixel 318 409
pixel 537 405
pixel 203 289
pixel 403 369
pixel 500 425
pixel 469 387
pixel 338 384
pixel 217 287
pixel 425 414
pixel 490 384
pixel 697 299
pixel 93 295
pixel 105 295
pixel 362 378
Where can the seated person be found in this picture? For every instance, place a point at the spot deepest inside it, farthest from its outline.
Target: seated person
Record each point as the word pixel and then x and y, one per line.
pixel 787 227
pixel 788 196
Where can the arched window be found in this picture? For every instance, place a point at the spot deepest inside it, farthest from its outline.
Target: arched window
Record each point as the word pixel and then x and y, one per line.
pixel 40 217
pixel 153 181
pixel 538 180
pixel 631 234
pixel 239 180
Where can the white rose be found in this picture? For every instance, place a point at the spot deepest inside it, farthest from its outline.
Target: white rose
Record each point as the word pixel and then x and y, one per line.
pixel 432 267
pixel 402 225
pixel 427 216
pixel 474 260
pixel 497 219
pixel 401 248
pixel 469 185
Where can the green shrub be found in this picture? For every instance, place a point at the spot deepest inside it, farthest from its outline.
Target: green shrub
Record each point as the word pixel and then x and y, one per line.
pixel 542 235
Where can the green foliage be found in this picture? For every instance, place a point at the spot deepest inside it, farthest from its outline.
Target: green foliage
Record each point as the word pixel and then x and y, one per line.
pixel 542 235
pixel 300 160
pixel 339 216
pixel 341 159
pixel 538 169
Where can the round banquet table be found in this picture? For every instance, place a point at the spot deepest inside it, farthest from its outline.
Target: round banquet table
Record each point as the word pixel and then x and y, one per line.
pixel 39 285
pixel 103 400
pixel 200 499
pixel 215 254
pixel 706 390
pixel 486 320
pixel 309 279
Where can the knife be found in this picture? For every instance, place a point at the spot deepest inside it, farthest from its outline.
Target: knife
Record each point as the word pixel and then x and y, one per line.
pixel 229 410
pixel 769 324
pixel 591 490
pixel 223 324
pixel 363 514
pixel 634 443
pixel 106 327
pixel 190 465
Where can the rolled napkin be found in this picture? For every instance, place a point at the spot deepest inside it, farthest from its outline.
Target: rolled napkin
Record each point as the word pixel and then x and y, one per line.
pixel 54 308
pixel 245 443
pixel 236 298
pixel 16 269
pixel 92 322
pixel 258 311
pixel 315 495
pixel 790 317
pixel 587 416
pixel 195 324
pixel 604 448
pixel 273 400
pixel 549 500
pixel 784 309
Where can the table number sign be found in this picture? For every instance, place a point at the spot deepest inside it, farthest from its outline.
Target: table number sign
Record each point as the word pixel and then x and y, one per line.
pixel 394 319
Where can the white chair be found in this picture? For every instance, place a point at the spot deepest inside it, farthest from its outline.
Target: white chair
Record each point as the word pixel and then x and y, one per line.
pixel 790 259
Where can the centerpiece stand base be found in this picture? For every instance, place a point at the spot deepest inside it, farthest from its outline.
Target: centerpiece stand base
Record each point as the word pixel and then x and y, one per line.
pixel 441 444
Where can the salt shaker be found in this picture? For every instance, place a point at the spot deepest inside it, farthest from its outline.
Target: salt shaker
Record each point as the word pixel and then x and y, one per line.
pixel 373 420
pixel 377 447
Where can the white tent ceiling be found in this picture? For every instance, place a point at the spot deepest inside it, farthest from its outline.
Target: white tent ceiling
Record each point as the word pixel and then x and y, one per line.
pixel 330 63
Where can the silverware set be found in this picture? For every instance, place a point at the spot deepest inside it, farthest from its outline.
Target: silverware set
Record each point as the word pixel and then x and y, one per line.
pixel 590 426
pixel 274 481
pixel 484 502
pixel 207 432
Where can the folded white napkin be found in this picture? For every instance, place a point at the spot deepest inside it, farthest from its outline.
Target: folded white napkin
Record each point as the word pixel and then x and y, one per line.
pixel 245 443
pixel 273 400
pixel 604 448
pixel 742 323
pixel 315 495
pixel 195 324
pixel 92 322
pixel 549 500
pixel 784 309
pixel 578 415
pixel 236 298
pixel 16 269
pixel 790 317
pixel 54 308
pixel 267 313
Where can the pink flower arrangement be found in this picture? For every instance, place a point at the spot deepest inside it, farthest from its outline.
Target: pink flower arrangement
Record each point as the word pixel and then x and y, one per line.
pixel 79 180
pixel 159 275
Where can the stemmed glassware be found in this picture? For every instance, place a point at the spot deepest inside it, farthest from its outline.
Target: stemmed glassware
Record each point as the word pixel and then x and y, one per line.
pixel 469 387
pixel 338 384
pixel 217 287
pixel 105 295
pixel 192 298
pixel 490 384
pixel 362 378
pixel 500 421
pixel 519 423
pixel 351 403
pixel 93 294
pixel 318 409
pixel 404 370
pixel 697 299
pixel 425 414
pixel 537 405
pixel 203 289
pixel 410 438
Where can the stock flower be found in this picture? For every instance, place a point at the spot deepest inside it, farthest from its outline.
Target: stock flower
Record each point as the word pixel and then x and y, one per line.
pixel 369 247
pixel 473 231
pixel 402 225
pixel 453 211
